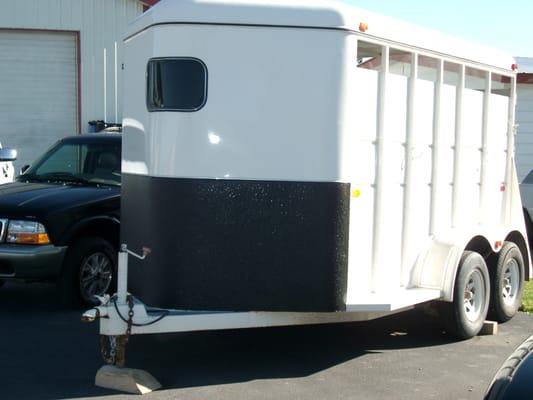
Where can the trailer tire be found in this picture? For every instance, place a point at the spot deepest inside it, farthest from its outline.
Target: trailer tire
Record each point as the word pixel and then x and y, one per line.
pixel 507 283
pixel 84 254
pixel 465 316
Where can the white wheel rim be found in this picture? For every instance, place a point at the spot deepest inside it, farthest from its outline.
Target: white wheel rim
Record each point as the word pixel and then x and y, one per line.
pixel 474 295
pixel 511 282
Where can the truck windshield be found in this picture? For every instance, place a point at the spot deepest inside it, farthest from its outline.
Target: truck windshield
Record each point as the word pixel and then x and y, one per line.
pixel 91 163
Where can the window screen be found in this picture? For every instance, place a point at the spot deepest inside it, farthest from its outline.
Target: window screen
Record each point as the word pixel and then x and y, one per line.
pixel 176 84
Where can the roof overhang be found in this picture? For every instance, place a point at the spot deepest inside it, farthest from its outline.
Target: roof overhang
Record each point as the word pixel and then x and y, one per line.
pixel 525 64
pixel 525 78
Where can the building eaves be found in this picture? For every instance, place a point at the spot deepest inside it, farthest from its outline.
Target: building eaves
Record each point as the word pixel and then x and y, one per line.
pixel 525 70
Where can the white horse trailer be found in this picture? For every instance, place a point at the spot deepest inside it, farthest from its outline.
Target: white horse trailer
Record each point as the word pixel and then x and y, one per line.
pixel 297 162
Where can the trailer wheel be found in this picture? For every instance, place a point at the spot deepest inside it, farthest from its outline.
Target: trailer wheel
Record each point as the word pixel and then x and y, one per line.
pixel 507 283
pixel 466 314
pixel 89 270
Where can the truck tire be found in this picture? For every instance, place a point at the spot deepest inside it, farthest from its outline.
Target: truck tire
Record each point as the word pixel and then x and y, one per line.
pixel 90 269
pixel 507 283
pixel 464 317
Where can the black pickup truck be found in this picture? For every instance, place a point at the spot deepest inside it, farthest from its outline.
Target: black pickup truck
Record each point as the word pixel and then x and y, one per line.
pixel 59 221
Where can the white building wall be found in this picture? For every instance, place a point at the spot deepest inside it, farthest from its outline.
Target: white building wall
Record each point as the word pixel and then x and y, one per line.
pixel 524 139
pixel 101 24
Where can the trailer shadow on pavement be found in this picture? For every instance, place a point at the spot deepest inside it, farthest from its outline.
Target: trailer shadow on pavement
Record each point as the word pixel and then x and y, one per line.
pixel 47 353
pixel 214 358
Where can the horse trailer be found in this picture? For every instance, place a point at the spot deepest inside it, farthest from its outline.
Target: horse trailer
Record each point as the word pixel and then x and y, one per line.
pixel 299 162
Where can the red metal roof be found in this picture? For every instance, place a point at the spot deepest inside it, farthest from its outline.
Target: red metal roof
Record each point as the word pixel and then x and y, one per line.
pixel 525 78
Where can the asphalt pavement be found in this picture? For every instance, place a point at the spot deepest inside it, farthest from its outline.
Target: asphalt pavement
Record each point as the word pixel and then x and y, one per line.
pixel 47 353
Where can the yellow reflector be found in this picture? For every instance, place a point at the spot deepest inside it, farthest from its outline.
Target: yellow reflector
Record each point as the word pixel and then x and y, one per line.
pixel 356 193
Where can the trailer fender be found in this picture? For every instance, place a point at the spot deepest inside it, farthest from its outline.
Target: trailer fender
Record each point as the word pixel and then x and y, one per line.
pixel 521 241
pixel 436 267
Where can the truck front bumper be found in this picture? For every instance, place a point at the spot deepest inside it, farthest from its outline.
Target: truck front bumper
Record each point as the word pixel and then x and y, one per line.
pixel 30 262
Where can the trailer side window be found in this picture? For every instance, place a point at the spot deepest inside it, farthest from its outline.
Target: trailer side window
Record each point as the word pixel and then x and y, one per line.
pixel 475 79
pixel 428 68
pixel 501 85
pixel 452 74
pixel 176 84
pixel 368 55
pixel 400 62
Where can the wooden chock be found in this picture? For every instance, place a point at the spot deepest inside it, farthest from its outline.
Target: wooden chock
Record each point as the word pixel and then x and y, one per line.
pixel 489 328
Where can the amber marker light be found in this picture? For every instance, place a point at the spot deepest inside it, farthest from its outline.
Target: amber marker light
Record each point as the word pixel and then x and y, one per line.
pixel 363 26
pixel 32 238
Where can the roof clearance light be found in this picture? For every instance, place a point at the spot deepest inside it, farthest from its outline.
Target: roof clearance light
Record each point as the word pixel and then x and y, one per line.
pixel 363 26
pixel 514 67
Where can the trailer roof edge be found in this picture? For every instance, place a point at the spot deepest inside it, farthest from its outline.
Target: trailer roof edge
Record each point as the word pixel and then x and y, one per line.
pixel 326 14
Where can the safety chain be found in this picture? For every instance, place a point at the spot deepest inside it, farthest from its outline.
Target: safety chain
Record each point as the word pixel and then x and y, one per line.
pixel 113 348
pixel 122 340
pixel 129 299
pixel 108 348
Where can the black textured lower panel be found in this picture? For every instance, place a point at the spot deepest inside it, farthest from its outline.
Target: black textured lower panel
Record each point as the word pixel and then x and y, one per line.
pixel 237 245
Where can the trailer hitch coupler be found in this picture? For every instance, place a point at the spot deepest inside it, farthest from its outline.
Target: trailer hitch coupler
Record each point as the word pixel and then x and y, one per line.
pixel 90 315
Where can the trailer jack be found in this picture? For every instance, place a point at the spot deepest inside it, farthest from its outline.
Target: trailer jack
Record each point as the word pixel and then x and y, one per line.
pixel 114 375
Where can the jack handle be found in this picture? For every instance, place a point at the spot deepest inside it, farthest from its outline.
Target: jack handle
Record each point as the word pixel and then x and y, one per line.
pixel 146 251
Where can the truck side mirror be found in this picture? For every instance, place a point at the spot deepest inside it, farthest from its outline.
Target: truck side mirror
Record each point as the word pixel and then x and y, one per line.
pixel 7 154
pixel 24 169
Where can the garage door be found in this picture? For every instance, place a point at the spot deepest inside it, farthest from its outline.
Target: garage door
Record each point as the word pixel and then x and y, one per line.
pixel 38 90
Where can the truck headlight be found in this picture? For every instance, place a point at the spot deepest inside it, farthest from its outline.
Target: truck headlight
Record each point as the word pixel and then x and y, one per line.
pixel 26 232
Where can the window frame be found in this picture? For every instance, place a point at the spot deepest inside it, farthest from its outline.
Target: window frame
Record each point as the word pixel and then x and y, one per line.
pixel 150 108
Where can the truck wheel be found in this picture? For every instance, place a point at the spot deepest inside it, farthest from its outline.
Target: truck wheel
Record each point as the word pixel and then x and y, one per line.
pixel 507 283
pixel 466 314
pixel 89 270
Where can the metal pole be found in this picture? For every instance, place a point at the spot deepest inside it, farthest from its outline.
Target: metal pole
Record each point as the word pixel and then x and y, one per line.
pixel 485 148
pixel 436 174
pixel 379 248
pixel 458 151
pixel 409 191
pixel 122 284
